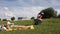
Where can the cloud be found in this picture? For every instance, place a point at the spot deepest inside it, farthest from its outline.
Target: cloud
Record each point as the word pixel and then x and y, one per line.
pixel 58 11
pixel 27 11
pixel 8 0
pixel 6 8
pixel 8 12
pixel 5 12
pixel 55 2
pixel 30 3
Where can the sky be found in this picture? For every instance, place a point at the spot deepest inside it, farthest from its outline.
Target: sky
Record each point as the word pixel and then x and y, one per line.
pixel 26 8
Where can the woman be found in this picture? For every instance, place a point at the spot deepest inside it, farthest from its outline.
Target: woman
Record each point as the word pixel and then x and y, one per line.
pixel 14 27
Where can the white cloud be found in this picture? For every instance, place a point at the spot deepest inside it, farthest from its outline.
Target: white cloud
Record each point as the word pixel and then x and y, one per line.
pixel 6 8
pixel 55 2
pixel 5 12
pixel 9 14
pixel 58 11
pixel 27 11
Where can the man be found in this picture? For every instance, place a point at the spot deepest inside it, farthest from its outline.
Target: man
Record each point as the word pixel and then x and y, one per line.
pixel 39 18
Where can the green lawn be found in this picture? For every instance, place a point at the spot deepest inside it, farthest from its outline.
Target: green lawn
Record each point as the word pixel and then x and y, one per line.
pixel 48 26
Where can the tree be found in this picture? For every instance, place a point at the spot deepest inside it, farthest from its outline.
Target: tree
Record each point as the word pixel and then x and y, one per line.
pixel 4 20
pixel 20 18
pixel 12 18
pixel 32 17
pixel 55 14
pixel 49 12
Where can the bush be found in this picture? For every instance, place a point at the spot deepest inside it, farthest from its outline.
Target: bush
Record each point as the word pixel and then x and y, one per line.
pixel 4 20
pixel 12 18
pixel 20 18
pixel 32 17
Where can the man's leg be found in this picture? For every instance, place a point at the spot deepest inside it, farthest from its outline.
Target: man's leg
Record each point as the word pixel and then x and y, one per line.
pixel 36 22
pixel 39 21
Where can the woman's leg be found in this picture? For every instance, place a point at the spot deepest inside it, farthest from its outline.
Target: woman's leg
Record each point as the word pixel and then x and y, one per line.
pixel 23 27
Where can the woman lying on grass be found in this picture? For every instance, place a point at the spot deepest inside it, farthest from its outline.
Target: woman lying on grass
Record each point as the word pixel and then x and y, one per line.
pixel 14 27
pixel 10 26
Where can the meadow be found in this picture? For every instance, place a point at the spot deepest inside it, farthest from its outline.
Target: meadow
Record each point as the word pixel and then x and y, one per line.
pixel 48 26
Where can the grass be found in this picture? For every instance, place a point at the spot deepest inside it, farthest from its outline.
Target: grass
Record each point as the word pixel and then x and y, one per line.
pixel 48 26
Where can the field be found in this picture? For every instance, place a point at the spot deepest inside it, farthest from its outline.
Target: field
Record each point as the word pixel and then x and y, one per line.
pixel 48 26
